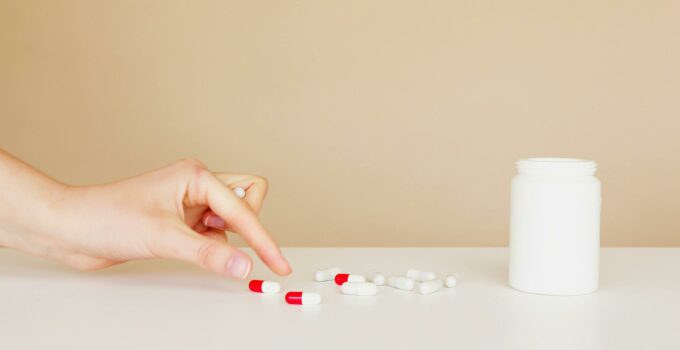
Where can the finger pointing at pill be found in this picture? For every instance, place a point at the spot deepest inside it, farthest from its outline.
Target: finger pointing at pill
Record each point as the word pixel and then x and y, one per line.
pixel 239 217
pixel 200 189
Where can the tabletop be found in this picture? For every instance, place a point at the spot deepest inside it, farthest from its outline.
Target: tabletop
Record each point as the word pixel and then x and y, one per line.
pixel 173 305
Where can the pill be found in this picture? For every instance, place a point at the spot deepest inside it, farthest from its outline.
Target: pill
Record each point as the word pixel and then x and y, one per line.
pixel 429 287
pixel 260 286
pixel 239 192
pixel 302 298
pixel 359 288
pixel 403 283
pixel 420 276
pixel 326 275
pixel 345 277
pixel 377 278
pixel 450 281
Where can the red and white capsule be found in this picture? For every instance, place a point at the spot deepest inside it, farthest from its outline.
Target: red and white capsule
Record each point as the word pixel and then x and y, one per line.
pixel 302 298
pixel 268 287
pixel 346 277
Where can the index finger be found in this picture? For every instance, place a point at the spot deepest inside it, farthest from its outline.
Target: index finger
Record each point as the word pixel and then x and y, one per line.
pixel 241 219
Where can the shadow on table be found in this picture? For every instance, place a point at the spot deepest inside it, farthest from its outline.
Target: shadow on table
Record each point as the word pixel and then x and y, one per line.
pixel 149 273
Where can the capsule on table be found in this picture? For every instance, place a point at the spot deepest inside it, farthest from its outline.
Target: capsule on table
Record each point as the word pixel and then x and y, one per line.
pixel 421 276
pixel 429 287
pixel 451 281
pixel 303 298
pixel 377 278
pixel 403 283
pixel 326 275
pixel 239 192
pixel 346 277
pixel 359 288
pixel 268 287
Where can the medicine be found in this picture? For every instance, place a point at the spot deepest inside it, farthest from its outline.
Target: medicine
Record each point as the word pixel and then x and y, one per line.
pixel 345 277
pixel 239 192
pixel 301 298
pixel 377 278
pixel 268 287
pixel 429 287
pixel 360 288
pixel 326 275
pixel 450 281
pixel 555 227
pixel 403 283
pixel 420 276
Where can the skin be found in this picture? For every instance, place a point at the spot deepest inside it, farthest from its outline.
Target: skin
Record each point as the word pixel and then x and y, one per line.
pixel 179 212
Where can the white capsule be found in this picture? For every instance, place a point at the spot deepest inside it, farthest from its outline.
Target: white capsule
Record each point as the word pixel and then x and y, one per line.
pixel 429 287
pixel 239 192
pixel 377 278
pixel 450 281
pixel 403 283
pixel 420 276
pixel 360 288
pixel 326 275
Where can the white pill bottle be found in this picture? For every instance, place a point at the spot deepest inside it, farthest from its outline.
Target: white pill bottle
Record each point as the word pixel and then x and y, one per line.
pixel 555 226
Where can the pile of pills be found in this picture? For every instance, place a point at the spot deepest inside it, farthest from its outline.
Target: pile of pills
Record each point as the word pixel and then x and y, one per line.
pixel 354 284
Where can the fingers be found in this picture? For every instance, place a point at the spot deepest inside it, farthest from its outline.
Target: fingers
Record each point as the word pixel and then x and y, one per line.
pixel 255 186
pixel 240 218
pixel 217 235
pixel 215 232
pixel 184 244
pixel 212 220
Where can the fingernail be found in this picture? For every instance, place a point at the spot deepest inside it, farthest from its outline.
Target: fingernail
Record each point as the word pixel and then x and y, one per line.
pixel 214 221
pixel 239 265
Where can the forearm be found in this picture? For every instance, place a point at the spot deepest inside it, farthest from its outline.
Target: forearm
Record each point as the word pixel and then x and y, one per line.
pixel 27 202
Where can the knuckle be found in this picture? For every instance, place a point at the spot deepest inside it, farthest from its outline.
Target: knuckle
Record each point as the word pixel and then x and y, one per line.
pixel 190 163
pixel 207 253
pixel 262 181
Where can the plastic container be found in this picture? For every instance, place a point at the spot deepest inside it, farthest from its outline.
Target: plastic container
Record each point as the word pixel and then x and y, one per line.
pixel 555 227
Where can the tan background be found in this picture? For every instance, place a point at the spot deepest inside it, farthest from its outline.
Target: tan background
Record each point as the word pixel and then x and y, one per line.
pixel 377 122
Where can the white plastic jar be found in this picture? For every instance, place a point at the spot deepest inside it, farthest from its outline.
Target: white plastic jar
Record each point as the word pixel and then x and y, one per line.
pixel 555 226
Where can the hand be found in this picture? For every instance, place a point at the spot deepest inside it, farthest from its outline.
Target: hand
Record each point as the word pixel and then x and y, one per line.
pixel 178 212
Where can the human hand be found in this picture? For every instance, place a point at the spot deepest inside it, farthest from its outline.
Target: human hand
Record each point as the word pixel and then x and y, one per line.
pixel 180 212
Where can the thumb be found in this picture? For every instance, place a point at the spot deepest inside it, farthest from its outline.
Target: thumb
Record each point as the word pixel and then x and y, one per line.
pixel 187 245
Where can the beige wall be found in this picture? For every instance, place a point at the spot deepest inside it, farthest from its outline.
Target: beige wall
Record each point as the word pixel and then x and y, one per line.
pixel 377 122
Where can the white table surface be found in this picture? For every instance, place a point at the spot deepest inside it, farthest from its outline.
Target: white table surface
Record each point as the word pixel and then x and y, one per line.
pixel 172 305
